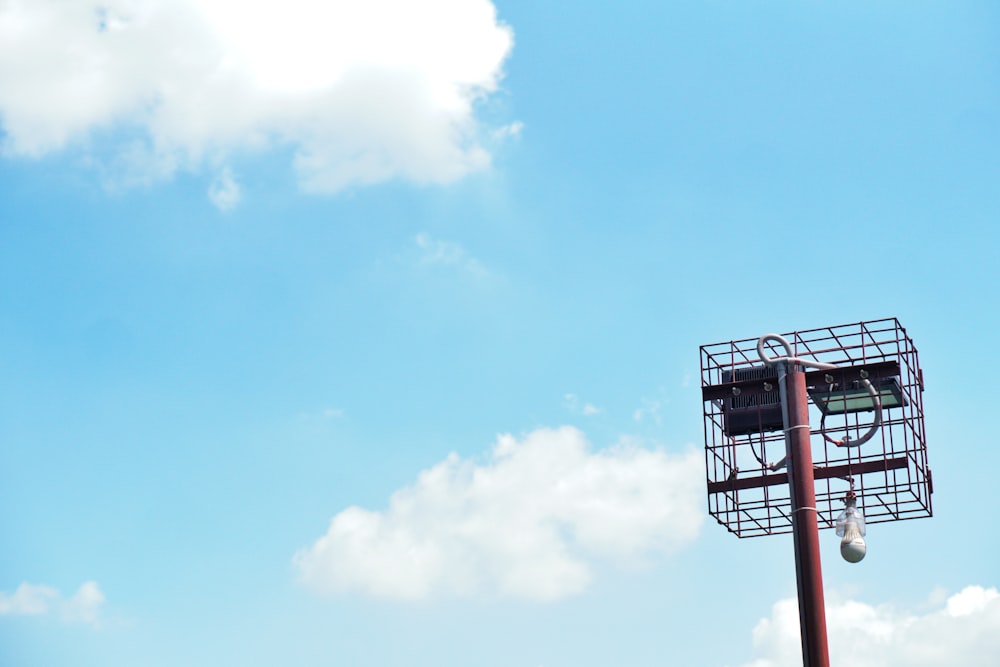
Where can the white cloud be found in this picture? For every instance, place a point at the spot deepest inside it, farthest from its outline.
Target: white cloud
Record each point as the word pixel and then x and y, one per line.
pixel 572 403
pixel 360 91
pixel 448 253
pixel 224 192
pixel 28 599
pixel 526 523
pixel 512 130
pixel 33 600
pixel 85 605
pixel 650 408
pixel 965 631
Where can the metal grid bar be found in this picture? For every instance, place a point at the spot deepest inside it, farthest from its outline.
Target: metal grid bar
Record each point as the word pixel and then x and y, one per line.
pixel 890 472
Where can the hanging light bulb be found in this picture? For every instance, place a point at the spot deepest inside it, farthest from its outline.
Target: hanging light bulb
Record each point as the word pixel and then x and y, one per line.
pixel 851 527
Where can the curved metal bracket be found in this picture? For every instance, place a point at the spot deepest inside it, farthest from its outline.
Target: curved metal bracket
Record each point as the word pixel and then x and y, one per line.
pixel 876 402
pixel 771 361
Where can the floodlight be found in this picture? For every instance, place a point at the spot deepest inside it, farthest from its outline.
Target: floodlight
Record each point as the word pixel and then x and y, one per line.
pixel 747 413
pixel 837 399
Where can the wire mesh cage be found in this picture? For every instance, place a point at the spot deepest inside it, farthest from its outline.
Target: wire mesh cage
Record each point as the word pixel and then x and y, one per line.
pixel 744 438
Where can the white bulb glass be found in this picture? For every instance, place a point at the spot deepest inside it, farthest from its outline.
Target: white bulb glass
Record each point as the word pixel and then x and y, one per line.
pixel 851 527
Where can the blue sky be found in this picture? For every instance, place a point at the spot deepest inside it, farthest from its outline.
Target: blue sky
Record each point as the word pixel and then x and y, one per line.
pixel 368 335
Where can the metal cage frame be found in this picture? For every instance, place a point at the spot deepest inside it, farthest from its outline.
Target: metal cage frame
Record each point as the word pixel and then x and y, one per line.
pixel 748 492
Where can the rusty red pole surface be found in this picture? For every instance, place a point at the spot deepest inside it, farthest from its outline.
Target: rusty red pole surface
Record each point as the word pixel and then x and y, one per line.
pixel 805 530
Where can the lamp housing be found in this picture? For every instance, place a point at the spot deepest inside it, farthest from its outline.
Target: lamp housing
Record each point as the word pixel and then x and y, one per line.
pixel 849 397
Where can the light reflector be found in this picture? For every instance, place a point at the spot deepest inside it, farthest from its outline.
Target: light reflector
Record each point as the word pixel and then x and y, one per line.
pixel 837 399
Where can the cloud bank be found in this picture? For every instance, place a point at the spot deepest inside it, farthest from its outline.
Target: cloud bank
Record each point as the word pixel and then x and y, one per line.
pixel 526 523
pixel 965 630
pixel 34 600
pixel 356 92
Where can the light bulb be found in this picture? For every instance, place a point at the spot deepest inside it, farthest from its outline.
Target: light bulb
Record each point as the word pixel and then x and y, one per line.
pixel 851 527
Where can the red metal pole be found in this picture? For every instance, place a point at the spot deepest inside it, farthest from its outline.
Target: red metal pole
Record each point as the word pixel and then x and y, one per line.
pixel 805 530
